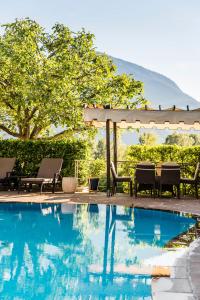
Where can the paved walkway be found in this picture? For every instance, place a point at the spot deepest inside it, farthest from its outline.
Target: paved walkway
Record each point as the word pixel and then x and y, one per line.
pixel 184 282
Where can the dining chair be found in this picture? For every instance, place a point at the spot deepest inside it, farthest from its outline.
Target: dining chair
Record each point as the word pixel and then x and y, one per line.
pixel 170 177
pixel 145 165
pixel 145 179
pixel 117 179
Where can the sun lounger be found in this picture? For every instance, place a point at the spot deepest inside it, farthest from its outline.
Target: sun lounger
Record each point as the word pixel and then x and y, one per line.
pixel 48 173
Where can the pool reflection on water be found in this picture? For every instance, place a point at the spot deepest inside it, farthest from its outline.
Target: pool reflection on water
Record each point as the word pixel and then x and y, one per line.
pixel 73 251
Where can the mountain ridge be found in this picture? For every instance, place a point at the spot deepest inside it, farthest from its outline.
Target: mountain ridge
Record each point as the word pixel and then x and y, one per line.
pixel 158 89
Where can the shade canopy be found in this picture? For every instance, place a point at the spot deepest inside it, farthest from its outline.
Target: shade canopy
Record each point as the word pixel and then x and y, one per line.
pixel 136 118
pixel 159 119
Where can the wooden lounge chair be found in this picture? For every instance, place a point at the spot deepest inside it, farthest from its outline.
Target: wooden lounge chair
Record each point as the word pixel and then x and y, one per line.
pixel 193 181
pixel 48 173
pixel 170 177
pixel 117 179
pixel 145 178
pixel 6 169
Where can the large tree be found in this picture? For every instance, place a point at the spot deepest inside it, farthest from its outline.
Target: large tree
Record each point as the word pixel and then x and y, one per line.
pixel 183 139
pixel 147 138
pixel 45 78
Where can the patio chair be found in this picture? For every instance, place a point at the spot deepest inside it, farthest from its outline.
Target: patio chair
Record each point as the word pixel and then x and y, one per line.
pixel 145 178
pixel 170 177
pixel 48 173
pixel 192 181
pixel 170 165
pixel 145 165
pixel 117 179
pixel 6 169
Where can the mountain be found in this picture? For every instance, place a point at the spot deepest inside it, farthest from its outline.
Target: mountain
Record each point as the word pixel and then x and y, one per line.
pixel 158 89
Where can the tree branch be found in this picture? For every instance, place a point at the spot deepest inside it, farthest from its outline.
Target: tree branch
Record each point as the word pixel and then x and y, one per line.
pixel 20 128
pixel 52 54
pixel 4 128
pixel 57 135
pixel 3 83
pixel 32 113
pixel 8 104
pixel 36 130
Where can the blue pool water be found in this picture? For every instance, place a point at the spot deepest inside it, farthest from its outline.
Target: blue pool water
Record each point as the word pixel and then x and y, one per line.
pixel 81 251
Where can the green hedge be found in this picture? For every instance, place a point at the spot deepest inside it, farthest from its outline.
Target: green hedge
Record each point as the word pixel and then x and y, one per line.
pixel 164 153
pixel 30 153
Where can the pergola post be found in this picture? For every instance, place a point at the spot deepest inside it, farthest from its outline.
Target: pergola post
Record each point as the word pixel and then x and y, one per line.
pixel 108 156
pixel 115 144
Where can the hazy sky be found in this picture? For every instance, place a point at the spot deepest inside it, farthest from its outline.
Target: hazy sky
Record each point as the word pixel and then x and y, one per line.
pixel 163 35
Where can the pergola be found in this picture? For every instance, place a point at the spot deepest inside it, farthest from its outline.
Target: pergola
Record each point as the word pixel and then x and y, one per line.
pixel 172 118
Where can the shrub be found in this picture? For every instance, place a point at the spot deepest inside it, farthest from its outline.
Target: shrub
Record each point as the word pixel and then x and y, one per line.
pixel 163 153
pixel 30 153
pixel 98 168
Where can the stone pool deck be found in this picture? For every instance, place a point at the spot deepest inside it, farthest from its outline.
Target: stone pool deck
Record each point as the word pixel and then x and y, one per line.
pixel 186 205
pixel 184 282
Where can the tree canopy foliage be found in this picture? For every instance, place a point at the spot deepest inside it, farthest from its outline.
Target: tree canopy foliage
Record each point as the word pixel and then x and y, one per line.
pixel 147 138
pixel 100 149
pixel 45 78
pixel 183 139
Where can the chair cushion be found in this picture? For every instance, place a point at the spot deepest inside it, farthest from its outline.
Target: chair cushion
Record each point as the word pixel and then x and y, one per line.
pixel 36 180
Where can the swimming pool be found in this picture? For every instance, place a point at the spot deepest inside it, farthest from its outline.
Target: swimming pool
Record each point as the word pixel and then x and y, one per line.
pixel 70 251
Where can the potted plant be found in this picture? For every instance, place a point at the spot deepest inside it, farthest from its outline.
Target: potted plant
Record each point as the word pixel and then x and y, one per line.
pixel 97 168
pixel 69 184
